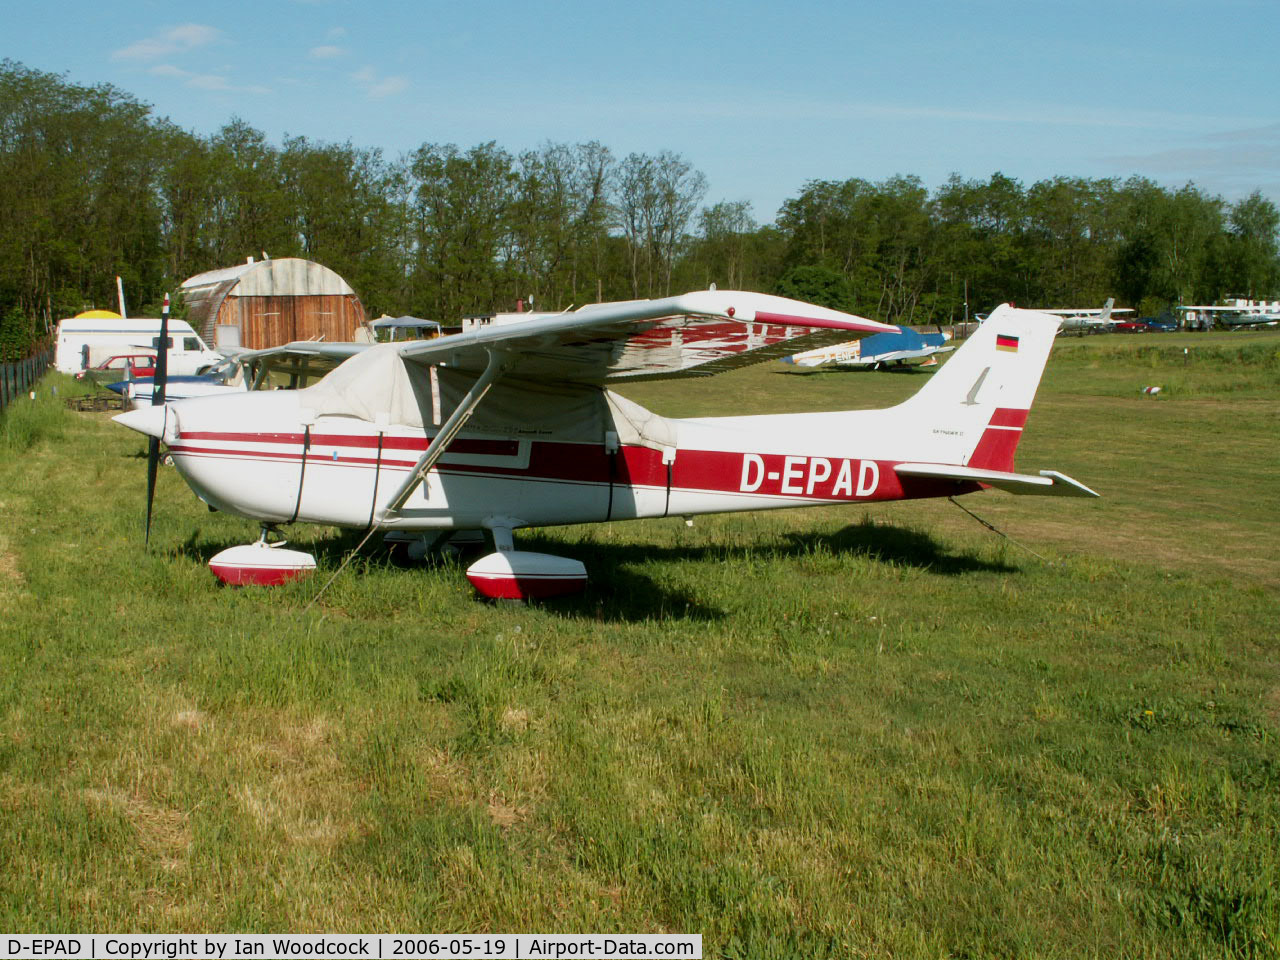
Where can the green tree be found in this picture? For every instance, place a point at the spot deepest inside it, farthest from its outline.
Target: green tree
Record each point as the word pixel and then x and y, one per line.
pixel 1166 244
pixel 983 240
pixel 340 201
pixel 1253 243
pixel 817 284
pixel 19 334
pixel 77 191
pixel 250 214
pixel 560 221
pixel 725 232
pixel 657 197
pixel 464 260
pixel 92 185
pixel 879 237
pixel 188 191
pixel 901 262
pixel 1067 240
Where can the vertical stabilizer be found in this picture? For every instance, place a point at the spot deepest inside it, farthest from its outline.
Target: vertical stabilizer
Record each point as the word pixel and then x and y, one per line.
pixel 973 410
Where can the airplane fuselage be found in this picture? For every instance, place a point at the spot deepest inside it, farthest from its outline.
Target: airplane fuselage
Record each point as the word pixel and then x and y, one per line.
pixel 258 455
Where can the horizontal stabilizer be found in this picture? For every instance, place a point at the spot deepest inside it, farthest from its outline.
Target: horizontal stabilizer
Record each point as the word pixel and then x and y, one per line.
pixel 1050 483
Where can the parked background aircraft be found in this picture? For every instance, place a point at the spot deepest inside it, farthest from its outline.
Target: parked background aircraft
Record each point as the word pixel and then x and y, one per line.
pixel 1238 314
pixel 512 425
pixel 878 350
pixel 139 391
pixel 1086 320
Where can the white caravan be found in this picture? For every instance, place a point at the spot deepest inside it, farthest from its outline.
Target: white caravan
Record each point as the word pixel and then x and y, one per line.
pixel 95 337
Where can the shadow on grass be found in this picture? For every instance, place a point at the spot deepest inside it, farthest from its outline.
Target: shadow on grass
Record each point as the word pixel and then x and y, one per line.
pixel 619 592
pixel 889 543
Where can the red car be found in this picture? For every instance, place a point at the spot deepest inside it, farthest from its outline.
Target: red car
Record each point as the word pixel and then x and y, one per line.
pixel 1129 326
pixel 139 364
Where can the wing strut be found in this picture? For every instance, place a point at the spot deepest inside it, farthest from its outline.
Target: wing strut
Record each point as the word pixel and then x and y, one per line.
pixel 260 375
pixel 498 360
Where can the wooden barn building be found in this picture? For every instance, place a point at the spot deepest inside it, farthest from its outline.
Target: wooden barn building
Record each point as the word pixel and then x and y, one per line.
pixel 270 302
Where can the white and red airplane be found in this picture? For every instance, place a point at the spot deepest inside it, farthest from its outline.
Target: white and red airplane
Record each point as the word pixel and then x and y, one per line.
pixel 1086 320
pixel 512 425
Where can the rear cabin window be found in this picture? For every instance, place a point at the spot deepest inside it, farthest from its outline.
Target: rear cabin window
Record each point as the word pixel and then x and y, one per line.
pixel 168 343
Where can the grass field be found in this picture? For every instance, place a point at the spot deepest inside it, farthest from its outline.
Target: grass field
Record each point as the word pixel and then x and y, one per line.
pixel 858 732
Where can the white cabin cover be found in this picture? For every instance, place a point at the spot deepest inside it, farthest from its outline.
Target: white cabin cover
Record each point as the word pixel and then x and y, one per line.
pixel 380 387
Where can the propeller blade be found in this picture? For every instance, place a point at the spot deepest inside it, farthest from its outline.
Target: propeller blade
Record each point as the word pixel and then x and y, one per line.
pixel 153 461
pixel 162 358
pixel 157 402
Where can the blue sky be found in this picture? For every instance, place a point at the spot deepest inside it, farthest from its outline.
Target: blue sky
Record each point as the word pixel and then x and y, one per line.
pixel 761 97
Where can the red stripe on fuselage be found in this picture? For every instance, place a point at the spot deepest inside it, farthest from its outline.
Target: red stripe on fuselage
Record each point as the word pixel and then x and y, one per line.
pixel 183 449
pixel 772 476
pixel 497 448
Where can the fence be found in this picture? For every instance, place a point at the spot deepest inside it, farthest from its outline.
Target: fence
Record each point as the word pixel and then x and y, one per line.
pixel 17 377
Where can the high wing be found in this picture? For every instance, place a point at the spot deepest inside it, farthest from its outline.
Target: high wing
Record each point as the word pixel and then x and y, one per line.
pixel 694 334
pixel 301 360
pixel 691 335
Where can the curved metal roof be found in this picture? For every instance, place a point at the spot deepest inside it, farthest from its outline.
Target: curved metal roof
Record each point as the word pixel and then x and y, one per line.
pixel 288 276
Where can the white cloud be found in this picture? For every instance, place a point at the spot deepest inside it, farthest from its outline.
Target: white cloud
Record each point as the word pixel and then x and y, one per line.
pixel 1270 134
pixel 169 42
pixel 808 110
pixel 375 87
pixel 206 81
pixel 326 52
pixel 1234 162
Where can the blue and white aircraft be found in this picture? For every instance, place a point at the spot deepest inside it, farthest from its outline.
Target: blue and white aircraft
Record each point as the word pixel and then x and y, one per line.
pixel 881 350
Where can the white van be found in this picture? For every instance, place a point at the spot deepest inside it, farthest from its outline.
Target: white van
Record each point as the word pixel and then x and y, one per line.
pixel 102 337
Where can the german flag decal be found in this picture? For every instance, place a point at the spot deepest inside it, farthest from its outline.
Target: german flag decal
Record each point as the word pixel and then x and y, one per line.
pixel 1006 342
